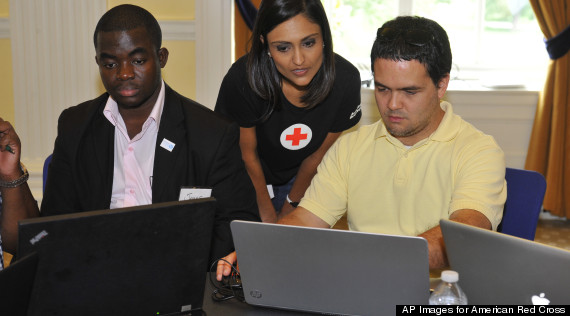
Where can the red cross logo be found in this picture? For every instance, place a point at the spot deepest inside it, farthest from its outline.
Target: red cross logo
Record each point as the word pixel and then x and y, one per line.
pixel 296 137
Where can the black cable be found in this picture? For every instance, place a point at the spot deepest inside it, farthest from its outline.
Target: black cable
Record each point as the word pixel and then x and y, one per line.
pixel 230 286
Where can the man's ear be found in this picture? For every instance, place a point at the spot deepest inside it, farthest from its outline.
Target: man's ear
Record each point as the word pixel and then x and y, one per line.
pixel 442 86
pixel 163 56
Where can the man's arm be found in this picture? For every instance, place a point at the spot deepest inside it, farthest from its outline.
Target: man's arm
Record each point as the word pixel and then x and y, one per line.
pixel 479 191
pixel 18 202
pixel 434 237
pixel 303 217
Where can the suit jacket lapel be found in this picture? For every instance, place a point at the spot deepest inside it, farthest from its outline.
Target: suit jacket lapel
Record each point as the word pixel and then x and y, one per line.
pixel 170 166
pixel 105 143
pixel 98 150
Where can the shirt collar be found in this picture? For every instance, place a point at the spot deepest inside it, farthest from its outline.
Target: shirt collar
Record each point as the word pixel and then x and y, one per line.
pixel 111 110
pixel 449 125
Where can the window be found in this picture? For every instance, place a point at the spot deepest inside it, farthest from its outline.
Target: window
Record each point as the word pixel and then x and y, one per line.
pixel 495 43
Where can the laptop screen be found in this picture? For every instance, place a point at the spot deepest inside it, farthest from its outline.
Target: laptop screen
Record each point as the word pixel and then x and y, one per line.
pixel 496 268
pixel 16 283
pixel 330 271
pixel 144 260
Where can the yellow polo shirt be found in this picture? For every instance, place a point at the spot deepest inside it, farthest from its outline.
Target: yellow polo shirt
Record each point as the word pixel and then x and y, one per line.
pixel 386 188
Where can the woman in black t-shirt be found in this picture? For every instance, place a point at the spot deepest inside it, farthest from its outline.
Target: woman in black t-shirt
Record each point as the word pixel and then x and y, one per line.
pixel 292 97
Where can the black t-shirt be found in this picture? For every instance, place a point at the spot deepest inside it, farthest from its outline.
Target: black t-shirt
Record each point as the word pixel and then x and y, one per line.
pixel 290 134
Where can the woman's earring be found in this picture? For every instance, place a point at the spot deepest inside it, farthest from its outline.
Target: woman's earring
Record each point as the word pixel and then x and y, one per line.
pixel 269 54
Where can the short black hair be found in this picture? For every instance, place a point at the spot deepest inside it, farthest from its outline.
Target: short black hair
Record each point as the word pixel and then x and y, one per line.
pixel 127 17
pixel 414 38
pixel 263 76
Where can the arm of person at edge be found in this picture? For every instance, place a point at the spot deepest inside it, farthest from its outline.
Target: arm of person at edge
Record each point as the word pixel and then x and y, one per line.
pixel 17 203
pixel 436 248
pixel 248 145
pixel 306 173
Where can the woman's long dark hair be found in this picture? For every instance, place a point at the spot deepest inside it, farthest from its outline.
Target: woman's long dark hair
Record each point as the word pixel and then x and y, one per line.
pixel 263 76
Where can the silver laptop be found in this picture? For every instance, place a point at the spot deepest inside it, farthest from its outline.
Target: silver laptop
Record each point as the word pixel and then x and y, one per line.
pixel 495 268
pixel 330 271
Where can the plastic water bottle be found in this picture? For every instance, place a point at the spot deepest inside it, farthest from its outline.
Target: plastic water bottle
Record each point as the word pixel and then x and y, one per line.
pixel 448 291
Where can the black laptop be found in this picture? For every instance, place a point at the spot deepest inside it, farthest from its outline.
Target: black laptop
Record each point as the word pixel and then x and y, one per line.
pixel 16 283
pixel 144 260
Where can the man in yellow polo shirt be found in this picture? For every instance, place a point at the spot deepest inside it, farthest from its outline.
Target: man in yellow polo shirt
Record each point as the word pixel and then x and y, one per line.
pixel 420 163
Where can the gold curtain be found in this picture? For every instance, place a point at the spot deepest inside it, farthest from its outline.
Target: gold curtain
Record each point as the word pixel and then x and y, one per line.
pixel 549 147
pixel 241 32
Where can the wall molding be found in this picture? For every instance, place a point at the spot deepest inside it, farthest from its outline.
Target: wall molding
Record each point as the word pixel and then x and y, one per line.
pixel 178 30
pixel 5 28
pixel 172 30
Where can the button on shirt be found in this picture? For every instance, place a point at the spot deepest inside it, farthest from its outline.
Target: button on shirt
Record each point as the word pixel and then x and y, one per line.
pixel 133 158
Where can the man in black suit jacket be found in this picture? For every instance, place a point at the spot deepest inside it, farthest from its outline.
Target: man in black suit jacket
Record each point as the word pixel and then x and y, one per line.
pixel 194 146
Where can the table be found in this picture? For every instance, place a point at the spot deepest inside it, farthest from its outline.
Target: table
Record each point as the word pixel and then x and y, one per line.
pixel 234 307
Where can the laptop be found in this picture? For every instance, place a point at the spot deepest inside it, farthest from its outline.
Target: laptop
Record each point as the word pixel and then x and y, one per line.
pixel 330 271
pixel 143 260
pixel 16 282
pixel 499 269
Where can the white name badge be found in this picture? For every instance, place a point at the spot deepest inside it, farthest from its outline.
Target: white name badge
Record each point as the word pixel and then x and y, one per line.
pixel 194 193
pixel 270 190
pixel 168 145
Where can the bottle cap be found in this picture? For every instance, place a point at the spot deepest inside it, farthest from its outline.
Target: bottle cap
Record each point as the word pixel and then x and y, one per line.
pixel 449 276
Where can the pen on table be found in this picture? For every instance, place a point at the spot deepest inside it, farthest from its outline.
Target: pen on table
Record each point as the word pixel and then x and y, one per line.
pixel 8 148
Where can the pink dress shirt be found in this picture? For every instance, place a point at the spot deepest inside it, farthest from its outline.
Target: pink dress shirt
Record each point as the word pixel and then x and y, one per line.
pixel 133 158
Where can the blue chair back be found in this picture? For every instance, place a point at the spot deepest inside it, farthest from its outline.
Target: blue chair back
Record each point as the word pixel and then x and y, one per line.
pixel 46 165
pixel 525 194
